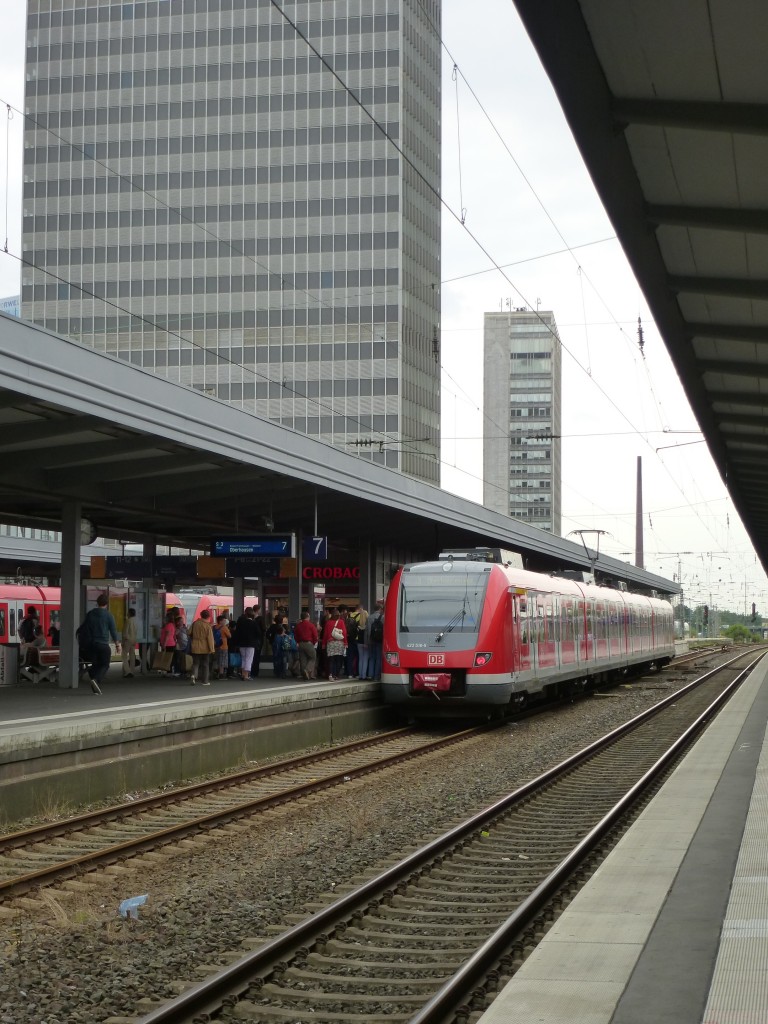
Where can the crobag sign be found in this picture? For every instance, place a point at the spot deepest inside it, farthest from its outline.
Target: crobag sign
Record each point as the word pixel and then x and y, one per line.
pixel 331 572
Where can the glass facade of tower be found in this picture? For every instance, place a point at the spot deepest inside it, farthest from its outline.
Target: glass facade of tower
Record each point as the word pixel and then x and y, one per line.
pixel 217 207
pixel 522 414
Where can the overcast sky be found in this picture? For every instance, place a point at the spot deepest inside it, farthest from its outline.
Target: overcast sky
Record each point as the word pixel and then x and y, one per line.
pixel 516 176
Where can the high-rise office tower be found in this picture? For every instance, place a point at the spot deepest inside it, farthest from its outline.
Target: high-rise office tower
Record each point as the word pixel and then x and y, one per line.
pixel 522 409
pixel 218 207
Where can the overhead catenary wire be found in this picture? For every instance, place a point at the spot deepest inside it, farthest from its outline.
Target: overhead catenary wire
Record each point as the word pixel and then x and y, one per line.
pixel 399 150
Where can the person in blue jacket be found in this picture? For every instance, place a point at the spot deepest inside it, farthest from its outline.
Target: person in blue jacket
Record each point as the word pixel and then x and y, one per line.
pixel 101 628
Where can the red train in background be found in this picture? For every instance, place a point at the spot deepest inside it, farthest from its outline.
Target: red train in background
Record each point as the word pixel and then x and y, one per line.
pixel 474 631
pixel 16 599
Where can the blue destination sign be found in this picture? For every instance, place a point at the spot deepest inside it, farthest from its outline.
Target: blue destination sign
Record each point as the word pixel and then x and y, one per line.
pixel 280 545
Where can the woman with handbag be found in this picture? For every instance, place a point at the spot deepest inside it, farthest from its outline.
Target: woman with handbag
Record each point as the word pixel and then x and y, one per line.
pixel 335 643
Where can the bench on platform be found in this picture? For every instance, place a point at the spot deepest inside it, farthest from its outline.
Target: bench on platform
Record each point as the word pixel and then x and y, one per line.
pixel 40 666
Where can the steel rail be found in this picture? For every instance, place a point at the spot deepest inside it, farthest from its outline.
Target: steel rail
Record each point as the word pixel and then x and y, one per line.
pixel 51 830
pixel 181 830
pixel 446 1001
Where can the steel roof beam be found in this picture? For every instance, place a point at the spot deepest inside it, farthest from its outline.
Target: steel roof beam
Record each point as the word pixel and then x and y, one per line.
pixel 719 218
pixel 729 332
pixel 169 465
pixel 752 398
pixel 21 432
pixel 747 118
pixel 735 287
pixel 754 371
pixel 743 420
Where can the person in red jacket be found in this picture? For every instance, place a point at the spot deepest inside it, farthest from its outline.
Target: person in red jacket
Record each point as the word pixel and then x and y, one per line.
pixel 335 643
pixel 305 633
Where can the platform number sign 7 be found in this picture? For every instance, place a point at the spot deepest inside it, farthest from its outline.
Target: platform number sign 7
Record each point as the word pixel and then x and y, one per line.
pixel 315 549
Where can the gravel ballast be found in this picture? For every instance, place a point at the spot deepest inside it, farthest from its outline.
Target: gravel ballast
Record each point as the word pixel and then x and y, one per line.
pixel 76 960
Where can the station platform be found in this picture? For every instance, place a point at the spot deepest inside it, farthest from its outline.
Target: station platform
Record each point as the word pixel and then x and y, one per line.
pixel 64 748
pixel 673 926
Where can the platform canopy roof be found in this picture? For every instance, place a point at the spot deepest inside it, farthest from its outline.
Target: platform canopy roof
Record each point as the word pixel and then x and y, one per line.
pixel 668 103
pixel 151 460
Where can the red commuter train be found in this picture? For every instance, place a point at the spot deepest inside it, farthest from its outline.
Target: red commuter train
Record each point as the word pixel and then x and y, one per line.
pixel 16 599
pixel 472 633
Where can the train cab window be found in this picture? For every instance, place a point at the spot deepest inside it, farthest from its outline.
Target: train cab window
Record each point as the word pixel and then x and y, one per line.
pixel 442 603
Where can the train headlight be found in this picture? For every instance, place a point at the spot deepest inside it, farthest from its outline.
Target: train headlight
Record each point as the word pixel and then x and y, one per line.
pixel 482 658
pixel 392 658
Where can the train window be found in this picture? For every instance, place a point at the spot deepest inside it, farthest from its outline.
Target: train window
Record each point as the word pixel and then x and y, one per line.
pixel 2 622
pixel 540 627
pixel 553 621
pixel 567 612
pixel 436 602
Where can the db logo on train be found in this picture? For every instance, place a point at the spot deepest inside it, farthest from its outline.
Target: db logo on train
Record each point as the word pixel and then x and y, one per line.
pixel 435 659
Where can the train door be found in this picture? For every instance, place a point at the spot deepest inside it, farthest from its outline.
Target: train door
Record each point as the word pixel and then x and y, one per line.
pixel 16 612
pixel 567 632
pixel 522 633
pixel 547 647
pixel 587 627
pixel 535 625
pixel 615 626
pixel 4 638
pixel 600 630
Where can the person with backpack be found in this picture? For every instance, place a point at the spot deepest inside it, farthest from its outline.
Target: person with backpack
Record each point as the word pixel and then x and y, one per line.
pixel 181 644
pixel 94 636
pixel 375 636
pixel 290 651
pixel 28 625
pixel 351 658
pixel 275 631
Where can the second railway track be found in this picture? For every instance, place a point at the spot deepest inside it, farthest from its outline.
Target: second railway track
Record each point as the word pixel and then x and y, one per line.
pixel 48 853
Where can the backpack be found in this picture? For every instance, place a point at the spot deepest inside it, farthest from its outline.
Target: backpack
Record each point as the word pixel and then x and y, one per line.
pixel 353 630
pixel 85 638
pixel 376 633
pixel 289 644
pixel 27 630
pixel 217 638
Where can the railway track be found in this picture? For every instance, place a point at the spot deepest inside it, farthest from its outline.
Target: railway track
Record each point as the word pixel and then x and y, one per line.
pixel 431 938
pixel 50 853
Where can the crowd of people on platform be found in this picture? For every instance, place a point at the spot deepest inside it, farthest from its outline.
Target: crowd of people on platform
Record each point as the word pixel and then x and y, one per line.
pixel 345 643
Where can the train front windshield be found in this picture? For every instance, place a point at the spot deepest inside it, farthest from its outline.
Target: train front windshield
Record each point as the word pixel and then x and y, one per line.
pixel 439 603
